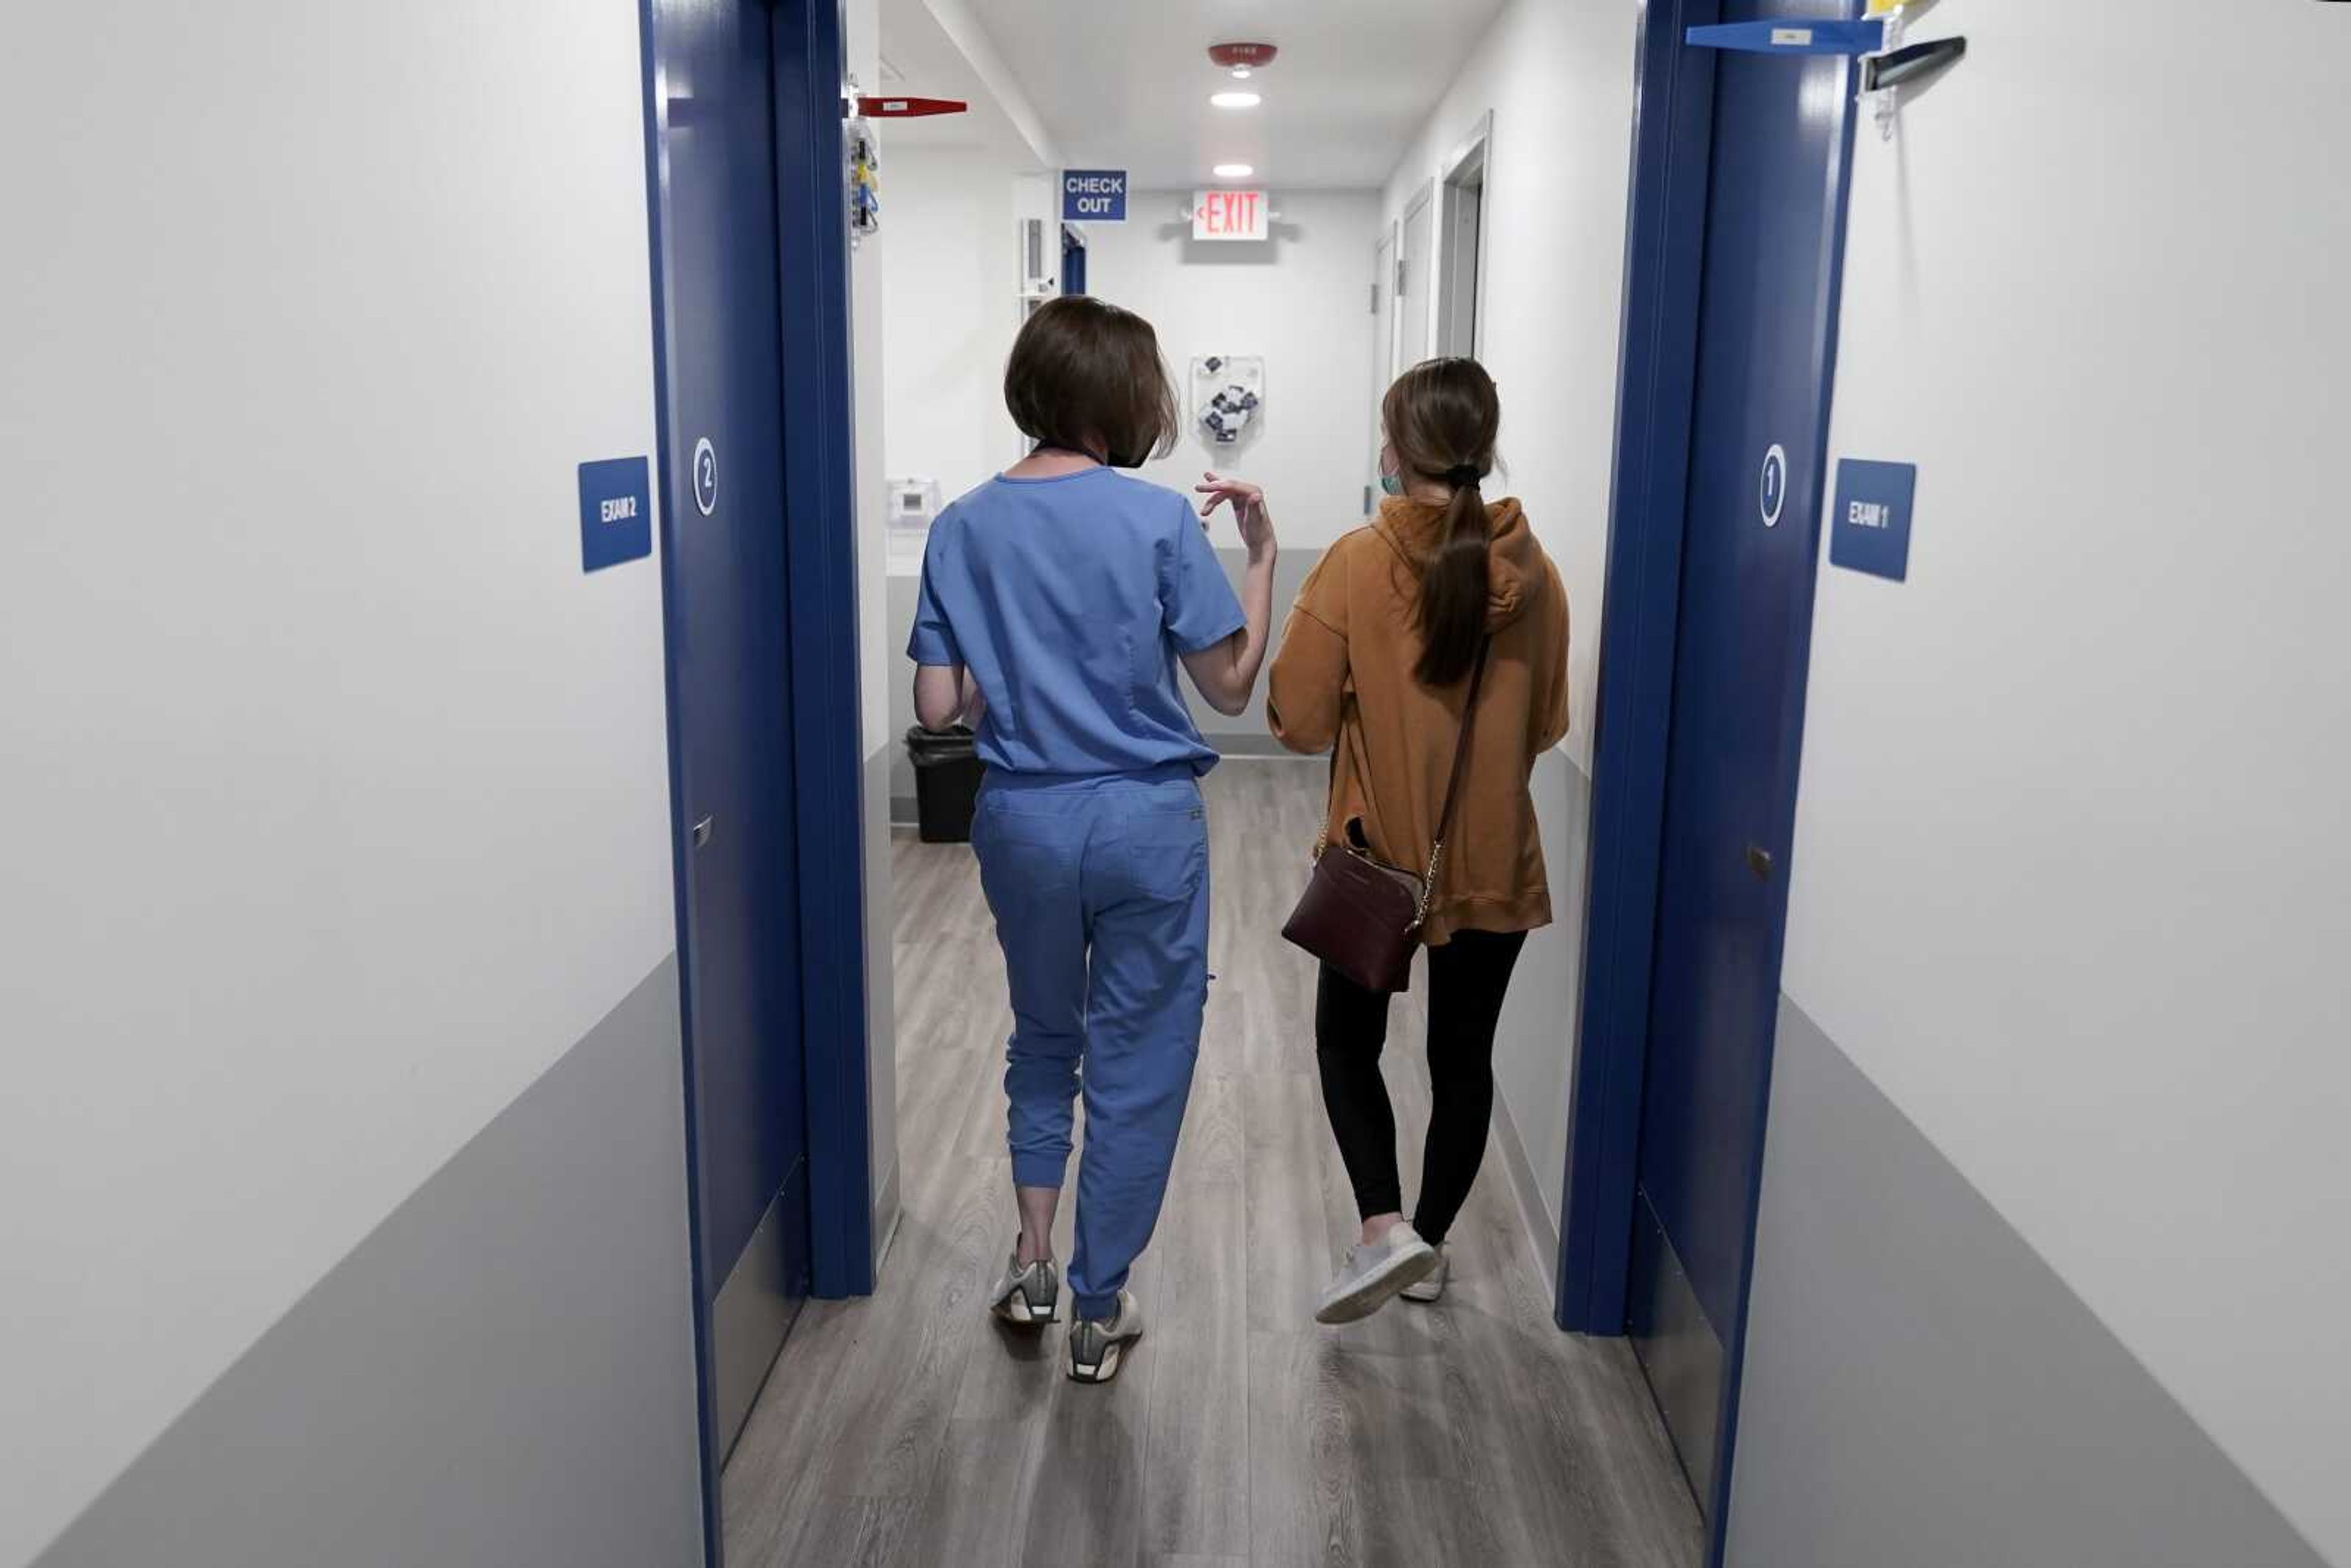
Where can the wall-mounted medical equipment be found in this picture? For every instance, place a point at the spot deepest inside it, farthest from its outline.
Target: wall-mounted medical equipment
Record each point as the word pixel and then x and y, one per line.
pixel 1040 265
pixel 858 112
pixel 914 505
pixel 913 502
pixel 1228 392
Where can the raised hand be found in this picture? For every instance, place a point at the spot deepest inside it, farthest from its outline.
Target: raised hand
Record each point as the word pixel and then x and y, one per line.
pixel 1249 510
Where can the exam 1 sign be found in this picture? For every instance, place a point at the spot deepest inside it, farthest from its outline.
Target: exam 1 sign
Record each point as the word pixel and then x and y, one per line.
pixel 1231 215
pixel 1869 526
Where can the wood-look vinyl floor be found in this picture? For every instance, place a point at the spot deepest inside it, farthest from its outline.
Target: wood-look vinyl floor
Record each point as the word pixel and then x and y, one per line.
pixel 910 1428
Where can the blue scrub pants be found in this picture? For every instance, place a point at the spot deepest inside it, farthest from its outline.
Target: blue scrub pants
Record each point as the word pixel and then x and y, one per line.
pixel 1100 888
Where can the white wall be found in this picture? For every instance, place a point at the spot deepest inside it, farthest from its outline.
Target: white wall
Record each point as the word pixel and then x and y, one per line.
pixel 950 272
pixel 1301 300
pixel 950 278
pixel 1557 77
pixel 2070 865
pixel 336 792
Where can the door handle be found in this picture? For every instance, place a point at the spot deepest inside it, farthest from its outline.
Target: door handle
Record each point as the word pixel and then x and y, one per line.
pixel 702 832
pixel 1759 860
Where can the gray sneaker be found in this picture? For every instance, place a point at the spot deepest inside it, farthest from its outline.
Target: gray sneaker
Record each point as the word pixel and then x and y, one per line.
pixel 1097 1345
pixel 1026 1294
pixel 1430 1287
pixel 1373 1273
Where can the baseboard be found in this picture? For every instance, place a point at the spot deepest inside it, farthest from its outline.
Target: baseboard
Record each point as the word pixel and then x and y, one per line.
pixel 887 1214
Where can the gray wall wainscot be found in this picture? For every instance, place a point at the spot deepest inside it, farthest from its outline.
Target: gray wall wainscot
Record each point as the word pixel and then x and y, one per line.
pixel 1923 1389
pixel 501 1372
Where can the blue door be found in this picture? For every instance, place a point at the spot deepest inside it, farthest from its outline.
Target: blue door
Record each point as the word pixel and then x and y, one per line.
pixel 724 555
pixel 1773 230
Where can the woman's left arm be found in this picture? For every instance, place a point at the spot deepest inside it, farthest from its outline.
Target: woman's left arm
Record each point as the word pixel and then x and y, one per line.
pixel 1227 673
pixel 945 694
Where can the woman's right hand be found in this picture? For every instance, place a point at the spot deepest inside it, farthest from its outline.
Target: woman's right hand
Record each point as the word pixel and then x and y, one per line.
pixel 1249 510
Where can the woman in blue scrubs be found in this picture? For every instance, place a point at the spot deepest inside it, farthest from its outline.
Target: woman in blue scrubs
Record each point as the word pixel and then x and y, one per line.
pixel 1057 600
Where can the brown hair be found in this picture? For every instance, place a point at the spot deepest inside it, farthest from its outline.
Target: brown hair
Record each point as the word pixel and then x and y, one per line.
pixel 1441 416
pixel 1086 376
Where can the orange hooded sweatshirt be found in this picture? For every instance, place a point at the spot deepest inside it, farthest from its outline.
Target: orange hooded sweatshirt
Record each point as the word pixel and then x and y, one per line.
pixel 1343 679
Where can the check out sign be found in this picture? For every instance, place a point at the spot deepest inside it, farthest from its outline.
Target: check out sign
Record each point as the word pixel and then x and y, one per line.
pixel 1231 215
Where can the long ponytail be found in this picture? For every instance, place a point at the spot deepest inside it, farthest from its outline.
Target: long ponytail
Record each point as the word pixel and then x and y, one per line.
pixel 1441 417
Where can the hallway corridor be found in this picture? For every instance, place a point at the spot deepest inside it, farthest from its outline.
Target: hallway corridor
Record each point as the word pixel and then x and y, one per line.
pixel 910 1428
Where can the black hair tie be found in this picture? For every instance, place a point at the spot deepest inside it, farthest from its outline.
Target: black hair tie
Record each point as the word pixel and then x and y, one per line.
pixel 1463 476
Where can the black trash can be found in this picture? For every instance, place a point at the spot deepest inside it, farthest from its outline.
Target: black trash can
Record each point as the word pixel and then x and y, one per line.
pixel 946 782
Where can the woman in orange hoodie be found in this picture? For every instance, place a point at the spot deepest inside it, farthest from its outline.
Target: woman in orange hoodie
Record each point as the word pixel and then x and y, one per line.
pixel 1375 667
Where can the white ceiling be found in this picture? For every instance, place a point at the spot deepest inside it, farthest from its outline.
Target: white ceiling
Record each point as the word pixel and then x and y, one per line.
pixel 1125 83
pixel 919 59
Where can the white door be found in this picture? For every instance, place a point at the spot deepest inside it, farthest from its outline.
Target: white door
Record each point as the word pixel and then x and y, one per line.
pixel 1412 278
pixel 1383 318
pixel 1457 316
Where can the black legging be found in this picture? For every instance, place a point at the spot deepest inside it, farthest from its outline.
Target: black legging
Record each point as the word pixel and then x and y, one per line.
pixel 1466 980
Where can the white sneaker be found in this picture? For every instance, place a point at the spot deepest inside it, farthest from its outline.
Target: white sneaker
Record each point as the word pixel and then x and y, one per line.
pixel 1025 1293
pixel 1097 1345
pixel 1430 1286
pixel 1374 1271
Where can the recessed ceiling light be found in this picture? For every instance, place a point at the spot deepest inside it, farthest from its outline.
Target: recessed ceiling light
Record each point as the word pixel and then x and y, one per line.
pixel 1234 99
pixel 1234 171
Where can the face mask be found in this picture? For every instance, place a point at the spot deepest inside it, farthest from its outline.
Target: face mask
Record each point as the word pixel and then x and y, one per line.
pixel 1391 482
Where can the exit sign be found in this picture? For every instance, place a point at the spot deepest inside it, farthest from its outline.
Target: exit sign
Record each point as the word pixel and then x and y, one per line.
pixel 1231 215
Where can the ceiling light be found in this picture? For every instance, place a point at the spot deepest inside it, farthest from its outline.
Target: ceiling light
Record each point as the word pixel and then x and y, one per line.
pixel 1233 171
pixel 1234 99
pixel 1240 73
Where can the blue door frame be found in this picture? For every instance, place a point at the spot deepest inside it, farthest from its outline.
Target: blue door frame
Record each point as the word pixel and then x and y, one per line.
pixel 821 486
pixel 1657 394
pixel 818 440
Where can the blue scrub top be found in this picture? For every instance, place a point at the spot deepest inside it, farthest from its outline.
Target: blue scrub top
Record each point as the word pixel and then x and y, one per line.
pixel 1069 599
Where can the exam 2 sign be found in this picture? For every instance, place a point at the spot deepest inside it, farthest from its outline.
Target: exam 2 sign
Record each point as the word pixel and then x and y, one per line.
pixel 1230 214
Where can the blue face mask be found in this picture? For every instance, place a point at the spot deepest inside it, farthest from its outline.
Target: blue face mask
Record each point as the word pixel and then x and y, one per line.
pixel 1391 483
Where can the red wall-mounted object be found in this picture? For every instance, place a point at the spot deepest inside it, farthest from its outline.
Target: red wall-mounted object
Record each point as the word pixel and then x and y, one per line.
pixel 1251 55
pixel 908 108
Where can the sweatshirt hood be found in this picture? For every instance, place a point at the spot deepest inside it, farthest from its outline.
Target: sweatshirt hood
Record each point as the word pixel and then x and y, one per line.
pixel 1515 578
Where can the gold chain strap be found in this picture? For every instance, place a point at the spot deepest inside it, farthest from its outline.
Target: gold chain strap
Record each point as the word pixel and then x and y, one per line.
pixel 1428 884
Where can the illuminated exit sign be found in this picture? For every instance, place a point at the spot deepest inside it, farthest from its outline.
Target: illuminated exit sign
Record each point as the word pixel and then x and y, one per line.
pixel 1231 215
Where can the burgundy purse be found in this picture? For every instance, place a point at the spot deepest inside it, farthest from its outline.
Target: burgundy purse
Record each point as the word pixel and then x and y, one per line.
pixel 1362 915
